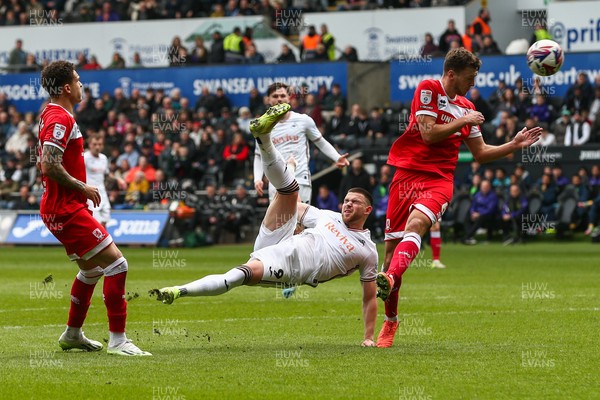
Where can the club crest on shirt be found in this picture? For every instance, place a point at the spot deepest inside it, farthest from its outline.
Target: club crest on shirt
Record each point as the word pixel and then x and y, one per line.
pixel 426 96
pixel 59 131
pixel 442 102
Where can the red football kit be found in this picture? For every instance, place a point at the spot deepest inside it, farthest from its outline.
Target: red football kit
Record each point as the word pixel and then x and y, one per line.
pixel 63 210
pixel 424 173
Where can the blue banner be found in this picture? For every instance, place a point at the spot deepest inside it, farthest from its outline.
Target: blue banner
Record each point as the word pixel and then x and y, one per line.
pixel 407 73
pixel 125 227
pixel 25 91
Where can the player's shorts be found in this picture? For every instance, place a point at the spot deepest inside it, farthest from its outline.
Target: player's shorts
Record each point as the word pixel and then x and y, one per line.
pixel 81 234
pixel 421 190
pixel 288 260
pixel 102 212
pixel 305 193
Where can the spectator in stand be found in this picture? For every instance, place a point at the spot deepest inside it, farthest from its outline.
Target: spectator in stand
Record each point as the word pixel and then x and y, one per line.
pixel 450 34
pixel 313 110
pixel 546 139
pixel 252 56
pixel 338 125
pixel 539 33
pixel 309 43
pixel 218 11
pixel 173 51
pixel 587 90
pixel 497 97
pixel 509 103
pixel 92 64
pixel 490 47
pixel 210 214
pixel 206 101
pixel 16 144
pixel 559 127
pixel 107 14
pixel 549 192
pixel 540 110
pixel 256 102
pixel 377 123
pixel 359 123
pixel 349 54
pixel 243 120
pixel 235 156
pixel 583 197
pixel 467 39
pixel 595 107
pixel 217 51
pixel 333 98
pixel 578 102
pixel 31 64
pixel 26 200
pixel 145 167
pixel 137 191
pixel 356 176
pixel 130 154
pixel 245 8
pixel 10 178
pixel 578 132
pixel 221 102
pixel 320 55
pixel 429 47
pixel 17 57
pixel 247 38
pixel 484 211
pixel 117 62
pixel 513 210
pixel 480 104
pixel 501 182
pixel 328 41
pixel 286 55
pixel 480 27
pixel 558 178
pixel 326 199
pixel 199 54
pixel 137 61
pixel 234 47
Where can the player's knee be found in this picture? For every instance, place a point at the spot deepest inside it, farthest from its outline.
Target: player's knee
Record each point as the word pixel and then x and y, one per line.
pixel 116 267
pixel 90 276
pixel 417 225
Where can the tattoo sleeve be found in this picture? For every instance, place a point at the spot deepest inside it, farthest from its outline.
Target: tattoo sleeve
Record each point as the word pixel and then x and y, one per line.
pixel 52 167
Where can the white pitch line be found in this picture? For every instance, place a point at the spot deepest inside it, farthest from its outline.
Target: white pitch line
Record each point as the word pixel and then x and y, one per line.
pixel 304 317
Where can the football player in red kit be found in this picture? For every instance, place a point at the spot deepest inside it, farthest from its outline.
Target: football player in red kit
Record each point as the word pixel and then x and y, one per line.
pixel 425 157
pixel 64 210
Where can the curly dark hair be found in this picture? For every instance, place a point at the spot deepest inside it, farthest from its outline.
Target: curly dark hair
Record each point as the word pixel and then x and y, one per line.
pixel 56 75
pixel 460 59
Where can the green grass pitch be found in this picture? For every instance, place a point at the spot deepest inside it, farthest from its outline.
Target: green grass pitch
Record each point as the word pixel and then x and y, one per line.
pixel 519 322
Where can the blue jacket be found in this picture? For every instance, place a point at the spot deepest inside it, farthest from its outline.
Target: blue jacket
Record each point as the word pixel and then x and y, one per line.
pixel 485 204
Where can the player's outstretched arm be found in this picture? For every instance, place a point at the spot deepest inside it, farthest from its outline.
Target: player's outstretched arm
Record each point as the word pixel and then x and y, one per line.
pixel 51 166
pixel 369 312
pixel 485 153
pixel 314 135
pixel 433 133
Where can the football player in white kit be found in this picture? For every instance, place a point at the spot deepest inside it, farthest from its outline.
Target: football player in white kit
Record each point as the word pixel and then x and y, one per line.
pixel 96 167
pixel 290 137
pixel 333 244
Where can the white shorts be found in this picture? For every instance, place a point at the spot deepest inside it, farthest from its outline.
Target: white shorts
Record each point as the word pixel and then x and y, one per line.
pixel 305 193
pixel 287 259
pixel 102 212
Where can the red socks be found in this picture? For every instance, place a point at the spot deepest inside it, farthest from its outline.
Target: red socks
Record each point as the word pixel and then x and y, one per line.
pixel 81 295
pixel 435 241
pixel 114 299
pixel 404 254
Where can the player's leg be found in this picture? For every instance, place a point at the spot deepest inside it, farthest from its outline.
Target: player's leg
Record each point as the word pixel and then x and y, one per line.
pixel 81 295
pixel 213 285
pixel 115 268
pixel 435 241
pixel 390 323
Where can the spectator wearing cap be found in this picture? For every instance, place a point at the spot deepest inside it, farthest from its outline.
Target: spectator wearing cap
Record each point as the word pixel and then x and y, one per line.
pixel 234 47
pixel 450 34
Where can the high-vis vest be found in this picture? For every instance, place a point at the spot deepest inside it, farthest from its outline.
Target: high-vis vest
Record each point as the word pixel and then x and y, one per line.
pixel 232 43
pixel 331 51
pixel 485 28
pixel 542 34
pixel 311 43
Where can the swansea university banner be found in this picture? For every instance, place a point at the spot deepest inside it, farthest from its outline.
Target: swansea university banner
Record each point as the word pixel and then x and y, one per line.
pixel 26 93
pixel 407 73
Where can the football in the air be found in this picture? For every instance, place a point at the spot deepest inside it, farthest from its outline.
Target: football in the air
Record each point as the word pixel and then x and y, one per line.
pixel 545 57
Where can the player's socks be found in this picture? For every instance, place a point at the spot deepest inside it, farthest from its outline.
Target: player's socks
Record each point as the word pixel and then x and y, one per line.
pixel 81 294
pixel 115 276
pixel 213 285
pixel 435 241
pixel 404 254
pixel 391 304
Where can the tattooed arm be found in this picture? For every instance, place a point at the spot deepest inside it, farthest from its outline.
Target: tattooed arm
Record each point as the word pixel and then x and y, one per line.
pixel 51 166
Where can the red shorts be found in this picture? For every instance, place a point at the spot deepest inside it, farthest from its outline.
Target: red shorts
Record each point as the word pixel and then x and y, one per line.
pixel 425 192
pixel 82 236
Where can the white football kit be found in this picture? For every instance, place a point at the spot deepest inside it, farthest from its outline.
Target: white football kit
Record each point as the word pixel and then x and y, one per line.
pixel 325 250
pixel 96 168
pixel 290 138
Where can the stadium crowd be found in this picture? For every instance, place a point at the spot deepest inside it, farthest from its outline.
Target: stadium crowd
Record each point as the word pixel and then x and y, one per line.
pixel 162 146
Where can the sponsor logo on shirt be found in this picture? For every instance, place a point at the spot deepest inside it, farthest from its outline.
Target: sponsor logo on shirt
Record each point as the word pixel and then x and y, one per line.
pixel 59 131
pixel 442 102
pixel 426 96
pixel 286 138
pixel 340 236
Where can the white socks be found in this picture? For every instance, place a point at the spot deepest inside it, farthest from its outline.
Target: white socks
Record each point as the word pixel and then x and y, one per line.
pixel 116 338
pixel 213 285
